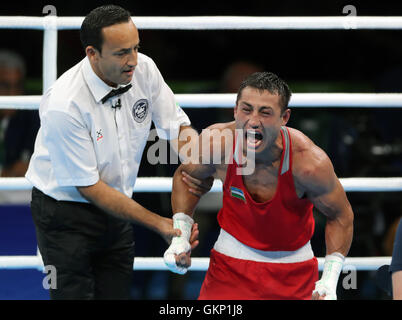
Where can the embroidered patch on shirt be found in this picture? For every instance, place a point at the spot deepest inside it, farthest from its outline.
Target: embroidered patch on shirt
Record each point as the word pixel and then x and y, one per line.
pixel 140 110
pixel 99 135
pixel 237 193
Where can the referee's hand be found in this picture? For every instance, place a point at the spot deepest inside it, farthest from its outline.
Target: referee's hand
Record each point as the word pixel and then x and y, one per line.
pixel 196 186
pixel 167 232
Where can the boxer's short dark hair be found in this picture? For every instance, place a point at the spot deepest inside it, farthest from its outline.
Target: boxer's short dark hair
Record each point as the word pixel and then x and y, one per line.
pixel 270 82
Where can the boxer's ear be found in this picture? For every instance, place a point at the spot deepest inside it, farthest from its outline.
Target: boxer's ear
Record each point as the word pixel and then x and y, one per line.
pixel 285 116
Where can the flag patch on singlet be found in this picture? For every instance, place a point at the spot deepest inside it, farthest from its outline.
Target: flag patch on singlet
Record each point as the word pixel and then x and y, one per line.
pixel 237 193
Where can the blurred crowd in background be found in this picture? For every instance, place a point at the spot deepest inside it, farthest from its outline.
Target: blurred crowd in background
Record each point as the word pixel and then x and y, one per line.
pixel 361 142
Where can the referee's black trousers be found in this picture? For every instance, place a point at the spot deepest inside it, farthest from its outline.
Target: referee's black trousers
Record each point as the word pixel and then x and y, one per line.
pixel 91 251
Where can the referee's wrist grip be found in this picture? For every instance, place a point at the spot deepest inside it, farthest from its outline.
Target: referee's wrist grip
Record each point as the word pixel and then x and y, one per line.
pixel 184 223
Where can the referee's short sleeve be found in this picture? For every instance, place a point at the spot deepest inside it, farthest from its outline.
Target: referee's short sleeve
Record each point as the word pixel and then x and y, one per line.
pixel 396 263
pixel 167 115
pixel 71 150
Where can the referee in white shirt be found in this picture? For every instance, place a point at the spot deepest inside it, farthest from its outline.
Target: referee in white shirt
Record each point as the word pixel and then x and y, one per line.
pixel 95 121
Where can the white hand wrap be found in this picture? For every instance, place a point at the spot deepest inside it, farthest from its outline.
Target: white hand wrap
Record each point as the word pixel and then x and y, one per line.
pixel 332 268
pixel 179 244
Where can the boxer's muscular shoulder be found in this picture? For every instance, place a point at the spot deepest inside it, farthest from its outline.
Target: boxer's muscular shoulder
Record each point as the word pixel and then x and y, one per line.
pixel 221 126
pixel 309 160
pixel 218 137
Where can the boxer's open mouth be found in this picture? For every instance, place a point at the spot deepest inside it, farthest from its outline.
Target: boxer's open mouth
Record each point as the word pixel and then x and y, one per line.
pixel 254 138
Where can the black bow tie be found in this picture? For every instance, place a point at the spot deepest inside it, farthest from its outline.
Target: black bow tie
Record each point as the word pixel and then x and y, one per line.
pixel 116 92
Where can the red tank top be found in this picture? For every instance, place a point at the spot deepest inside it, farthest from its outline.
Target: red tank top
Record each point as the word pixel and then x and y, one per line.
pixel 284 223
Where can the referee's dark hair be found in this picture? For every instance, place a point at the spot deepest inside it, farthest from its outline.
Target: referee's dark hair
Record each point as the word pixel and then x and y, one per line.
pixel 98 18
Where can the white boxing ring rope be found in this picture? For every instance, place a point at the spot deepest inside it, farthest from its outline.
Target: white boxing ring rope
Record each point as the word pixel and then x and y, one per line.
pixel 226 100
pixel 164 184
pixel 197 264
pixel 221 23
pixel 51 24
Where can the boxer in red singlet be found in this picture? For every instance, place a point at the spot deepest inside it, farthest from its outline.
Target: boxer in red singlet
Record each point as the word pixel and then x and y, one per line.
pixel 263 250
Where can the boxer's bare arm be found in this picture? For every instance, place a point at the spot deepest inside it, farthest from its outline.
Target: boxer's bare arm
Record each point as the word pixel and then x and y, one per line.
pixel 205 164
pixel 200 167
pixel 182 199
pixel 315 175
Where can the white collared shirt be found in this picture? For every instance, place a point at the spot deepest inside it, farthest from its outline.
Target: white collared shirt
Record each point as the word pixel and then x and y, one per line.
pixel 82 140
